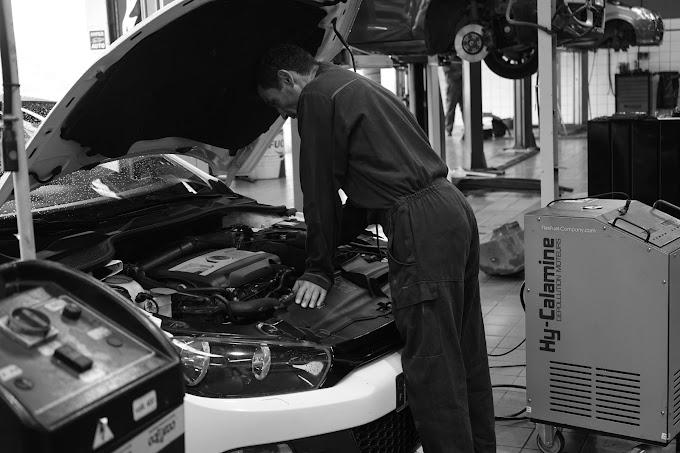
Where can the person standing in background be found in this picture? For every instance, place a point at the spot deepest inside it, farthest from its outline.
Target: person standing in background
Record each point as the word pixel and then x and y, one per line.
pixel 454 91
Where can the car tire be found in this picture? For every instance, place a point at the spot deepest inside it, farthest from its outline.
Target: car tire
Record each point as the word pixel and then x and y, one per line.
pixel 618 35
pixel 513 67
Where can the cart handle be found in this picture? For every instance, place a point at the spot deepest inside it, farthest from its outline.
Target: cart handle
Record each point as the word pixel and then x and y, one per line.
pixel 633 224
pixel 665 203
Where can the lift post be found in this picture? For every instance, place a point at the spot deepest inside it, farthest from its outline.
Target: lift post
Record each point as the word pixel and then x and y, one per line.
pixel 547 53
pixel 472 114
pixel 522 126
pixel 435 108
pixel 13 146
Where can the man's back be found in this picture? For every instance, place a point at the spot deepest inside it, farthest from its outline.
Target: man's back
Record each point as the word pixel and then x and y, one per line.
pixel 377 144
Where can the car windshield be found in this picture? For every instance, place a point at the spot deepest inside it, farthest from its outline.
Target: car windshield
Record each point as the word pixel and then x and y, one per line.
pixel 133 179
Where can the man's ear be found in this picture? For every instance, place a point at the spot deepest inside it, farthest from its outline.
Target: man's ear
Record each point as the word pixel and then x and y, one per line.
pixel 286 77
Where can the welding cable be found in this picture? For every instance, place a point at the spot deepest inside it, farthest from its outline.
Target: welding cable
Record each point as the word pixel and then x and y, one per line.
pixel 515 415
pixel 599 195
pixel 524 308
pixel 508 352
pixel 510 417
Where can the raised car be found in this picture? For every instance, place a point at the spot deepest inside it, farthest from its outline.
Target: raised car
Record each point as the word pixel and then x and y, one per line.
pixel 628 26
pixel 503 33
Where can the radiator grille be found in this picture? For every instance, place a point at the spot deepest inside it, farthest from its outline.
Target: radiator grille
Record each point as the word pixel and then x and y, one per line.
pixel 676 398
pixel 394 433
pixel 571 388
pixel 617 396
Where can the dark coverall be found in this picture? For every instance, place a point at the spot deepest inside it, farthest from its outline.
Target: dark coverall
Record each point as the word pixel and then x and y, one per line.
pixel 356 135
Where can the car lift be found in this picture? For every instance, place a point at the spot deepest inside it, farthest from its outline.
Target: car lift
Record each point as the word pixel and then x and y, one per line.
pixel 549 183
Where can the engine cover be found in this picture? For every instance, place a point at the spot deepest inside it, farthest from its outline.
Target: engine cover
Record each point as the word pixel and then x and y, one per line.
pixel 228 267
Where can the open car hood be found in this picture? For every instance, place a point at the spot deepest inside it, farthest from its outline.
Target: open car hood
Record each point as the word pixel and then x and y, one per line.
pixel 182 81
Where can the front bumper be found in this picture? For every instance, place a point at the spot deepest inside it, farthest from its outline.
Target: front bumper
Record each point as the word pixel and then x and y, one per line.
pixel 363 405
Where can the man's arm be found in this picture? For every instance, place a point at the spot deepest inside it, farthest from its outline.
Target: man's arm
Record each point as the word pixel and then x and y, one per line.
pixel 322 171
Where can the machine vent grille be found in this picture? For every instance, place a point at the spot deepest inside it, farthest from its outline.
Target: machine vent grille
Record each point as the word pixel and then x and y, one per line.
pixel 676 398
pixel 571 388
pixel 617 396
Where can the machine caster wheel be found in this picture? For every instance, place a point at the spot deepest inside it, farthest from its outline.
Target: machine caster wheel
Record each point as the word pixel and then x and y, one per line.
pixel 557 444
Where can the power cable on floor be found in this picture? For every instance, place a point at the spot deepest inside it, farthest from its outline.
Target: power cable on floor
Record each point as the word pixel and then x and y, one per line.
pixel 516 415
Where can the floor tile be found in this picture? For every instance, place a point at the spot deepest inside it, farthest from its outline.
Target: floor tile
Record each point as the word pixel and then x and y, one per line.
pixel 507 310
pixel 503 449
pixel 511 342
pixel 497 330
pixel 493 340
pixel 497 379
pixel 506 371
pixel 607 444
pixel 501 320
pixel 510 436
pixel 518 332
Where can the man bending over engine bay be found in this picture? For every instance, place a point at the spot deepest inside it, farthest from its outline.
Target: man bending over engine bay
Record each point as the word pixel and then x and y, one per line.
pixel 357 136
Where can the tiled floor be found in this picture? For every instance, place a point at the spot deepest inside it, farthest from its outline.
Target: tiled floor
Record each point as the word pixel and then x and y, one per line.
pixel 502 310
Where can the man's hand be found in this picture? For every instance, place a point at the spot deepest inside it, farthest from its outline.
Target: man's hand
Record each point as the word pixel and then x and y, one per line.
pixel 308 294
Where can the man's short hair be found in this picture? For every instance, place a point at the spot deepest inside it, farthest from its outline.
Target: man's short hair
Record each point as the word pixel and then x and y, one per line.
pixel 285 56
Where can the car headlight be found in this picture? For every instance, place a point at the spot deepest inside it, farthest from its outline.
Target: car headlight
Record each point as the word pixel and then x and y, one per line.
pixel 219 367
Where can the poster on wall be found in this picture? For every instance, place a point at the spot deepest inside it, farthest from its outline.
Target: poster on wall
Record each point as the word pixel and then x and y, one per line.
pixel 97 40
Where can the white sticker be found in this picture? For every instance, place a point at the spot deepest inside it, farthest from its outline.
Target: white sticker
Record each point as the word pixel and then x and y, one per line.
pixel 144 405
pixel 48 349
pixel 102 433
pixel 10 372
pixel 528 409
pixel 92 375
pixel 55 304
pixel 99 333
pixel 158 436
pixel 664 436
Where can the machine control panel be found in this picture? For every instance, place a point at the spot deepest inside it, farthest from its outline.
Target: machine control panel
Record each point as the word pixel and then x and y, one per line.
pixel 56 348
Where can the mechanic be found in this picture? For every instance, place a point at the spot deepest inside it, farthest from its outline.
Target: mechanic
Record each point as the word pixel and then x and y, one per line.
pixel 357 136
pixel 453 71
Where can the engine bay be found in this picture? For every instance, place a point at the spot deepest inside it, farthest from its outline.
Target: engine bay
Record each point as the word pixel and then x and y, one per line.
pixel 235 271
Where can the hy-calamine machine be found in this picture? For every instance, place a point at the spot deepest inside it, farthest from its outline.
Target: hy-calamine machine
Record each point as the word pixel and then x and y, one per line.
pixel 603 319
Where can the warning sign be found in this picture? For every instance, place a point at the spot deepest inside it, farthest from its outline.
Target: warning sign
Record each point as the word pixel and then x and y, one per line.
pixel 102 434
pixel 97 40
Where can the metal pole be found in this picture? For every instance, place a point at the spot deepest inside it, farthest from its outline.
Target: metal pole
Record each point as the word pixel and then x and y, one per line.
pixel 547 50
pixel 523 124
pixel 585 95
pixel 416 93
pixel 472 114
pixel 435 131
pixel 13 147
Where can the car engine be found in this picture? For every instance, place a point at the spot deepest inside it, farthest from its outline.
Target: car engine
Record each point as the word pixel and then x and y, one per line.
pixel 236 274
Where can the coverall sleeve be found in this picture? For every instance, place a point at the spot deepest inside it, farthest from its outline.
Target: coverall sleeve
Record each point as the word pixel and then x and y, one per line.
pixel 322 171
